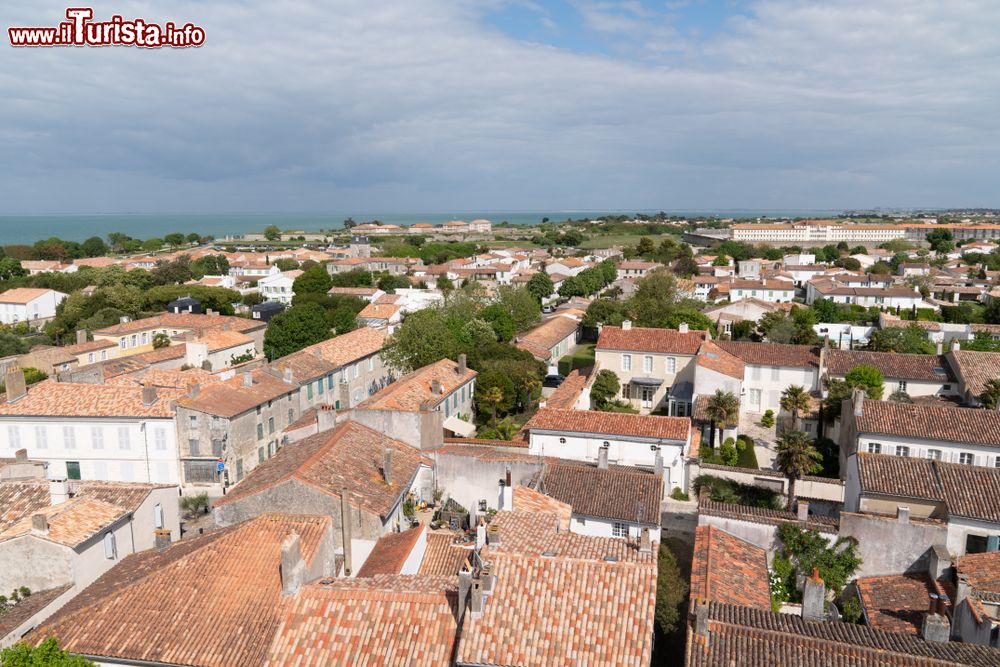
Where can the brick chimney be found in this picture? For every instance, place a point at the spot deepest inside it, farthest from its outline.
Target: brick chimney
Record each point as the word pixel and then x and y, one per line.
pixel 387 465
pixel 161 538
pixel 39 524
pixel 16 386
pixel 81 336
pixel 292 569
pixel 814 598
pixel 148 396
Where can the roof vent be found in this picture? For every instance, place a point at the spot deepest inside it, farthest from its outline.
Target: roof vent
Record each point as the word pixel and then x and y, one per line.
pixel 549 554
pixel 611 559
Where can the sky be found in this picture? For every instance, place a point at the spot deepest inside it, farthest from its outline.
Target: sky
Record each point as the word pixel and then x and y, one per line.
pixel 434 105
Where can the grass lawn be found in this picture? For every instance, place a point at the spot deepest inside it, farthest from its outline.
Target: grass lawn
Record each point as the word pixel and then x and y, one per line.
pixel 748 459
pixel 581 358
pixel 606 241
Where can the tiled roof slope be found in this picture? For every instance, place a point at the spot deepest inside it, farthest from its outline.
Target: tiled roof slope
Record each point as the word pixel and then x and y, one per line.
pixel 390 553
pixel 566 394
pixel 28 607
pixel 756 638
pixel 209 601
pixel 23 294
pixel 70 523
pixel 443 557
pixel 534 533
pixel 898 476
pixel 610 423
pixel 917 367
pixel 899 603
pixel 529 500
pixel 554 612
pixel 980 427
pixel 186 321
pixel 383 621
pixel 621 493
pixel 728 569
pixel 772 354
pixel 412 391
pixel 21 498
pixel 63 399
pixel 232 397
pixel 349 456
pixel 648 339
pixel 540 339
pixel 983 571
pixel 975 368
pixel 714 358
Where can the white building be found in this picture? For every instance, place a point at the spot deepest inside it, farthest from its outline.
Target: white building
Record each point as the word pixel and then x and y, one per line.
pixel 278 287
pixel 29 304
pixel 770 368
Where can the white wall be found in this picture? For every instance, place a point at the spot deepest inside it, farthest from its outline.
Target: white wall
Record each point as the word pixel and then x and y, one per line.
pixel 599 527
pixel 40 308
pixel 771 381
pixel 983 455
pixel 959 530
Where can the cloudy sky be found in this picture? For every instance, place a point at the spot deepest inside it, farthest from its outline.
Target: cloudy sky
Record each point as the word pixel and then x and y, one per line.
pixel 432 105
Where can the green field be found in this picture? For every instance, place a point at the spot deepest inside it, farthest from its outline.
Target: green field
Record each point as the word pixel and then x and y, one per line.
pixel 606 241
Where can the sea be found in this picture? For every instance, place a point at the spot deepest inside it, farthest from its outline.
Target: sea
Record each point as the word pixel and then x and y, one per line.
pixel 26 229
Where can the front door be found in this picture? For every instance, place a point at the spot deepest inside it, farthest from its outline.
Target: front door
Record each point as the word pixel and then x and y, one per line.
pixel 647 397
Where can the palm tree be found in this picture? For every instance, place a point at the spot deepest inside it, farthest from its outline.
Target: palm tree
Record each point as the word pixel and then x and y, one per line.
pixel 796 456
pixel 721 408
pixel 494 396
pixel 990 397
pixel 796 400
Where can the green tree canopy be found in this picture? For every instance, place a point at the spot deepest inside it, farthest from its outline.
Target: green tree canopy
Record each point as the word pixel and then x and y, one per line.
pixel 540 286
pixel 272 233
pixel 210 265
pixel 175 239
pixel 46 654
pixel 11 268
pixel 296 328
pixel 313 281
pixel 911 339
pixel 94 247
pixel 423 338
pixel 605 388
pixel 868 378
pixel 796 457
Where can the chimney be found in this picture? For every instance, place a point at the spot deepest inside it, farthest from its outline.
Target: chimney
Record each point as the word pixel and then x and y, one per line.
pixel 161 538
pixel 939 348
pixel 701 622
pixel 39 524
pixel 814 598
pixel 210 312
pixel 16 386
pixel 345 521
pixel 476 598
pixel 938 562
pixel 956 345
pixel 387 465
pixel 658 463
pixel 645 542
pixel 293 569
pixel 287 376
pixel 436 388
pixel 903 514
pixel 193 390
pixel 803 510
pixel 21 455
pixel 481 534
pixel 58 491
pixel 506 493
pixel 682 327
pixel 627 325
pixel 464 588
pixel 247 379
pixel 148 396
pixel 124 319
pixel 81 336
pixel 962 588
pixel 602 458
pixel 461 364
pixel 859 402
pixel 936 627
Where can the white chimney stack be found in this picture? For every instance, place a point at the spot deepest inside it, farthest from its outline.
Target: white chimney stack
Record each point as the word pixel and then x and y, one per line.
pixel 627 325
pixel 683 327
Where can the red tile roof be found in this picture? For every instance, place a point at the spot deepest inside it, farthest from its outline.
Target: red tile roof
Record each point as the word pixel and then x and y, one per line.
pixel 967 425
pixel 898 603
pixel 411 392
pixel 728 569
pixel 714 358
pixel 443 556
pixel 65 399
pixel 22 295
pixel 644 339
pixel 772 354
pixel 611 424
pixel 539 340
pixel 566 395
pixel 620 492
pixel 919 367
pixel 390 552
pixel 232 397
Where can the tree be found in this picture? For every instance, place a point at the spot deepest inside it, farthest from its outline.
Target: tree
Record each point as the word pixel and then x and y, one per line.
pixel 423 338
pixel 826 311
pixel 796 457
pixel 540 286
pixel 722 407
pixel 645 246
pixel 272 233
pixel 11 268
pixel 605 311
pixel 524 310
pixel 941 240
pixel 11 344
pixel 193 237
pixel 671 589
pixel 46 654
pixel 900 396
pixel 444 284
pixel 389 283
pixel 173 273
pixel 494 396
pixel 175 239
pixel 868 378
pixel 152 245
pixel 160 340
pixel 210 265
pixel 296 328
pixel 500 319
pixel 313 281
pixel 605 388
pixel 94 247
pixel 911 339
pixel 686 267
pixel 990 397
pixel 742 330
pixel 126 298
pixel 795 399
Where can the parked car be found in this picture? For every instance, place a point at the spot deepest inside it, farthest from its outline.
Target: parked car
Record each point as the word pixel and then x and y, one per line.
pixel 553 380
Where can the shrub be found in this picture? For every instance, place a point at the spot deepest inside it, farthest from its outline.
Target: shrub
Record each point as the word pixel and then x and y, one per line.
pixel 727 491
pixel 677 494
pixel 767 421
pixel 728 452
pixel 670 591
pixel 851 610
pixel 191 504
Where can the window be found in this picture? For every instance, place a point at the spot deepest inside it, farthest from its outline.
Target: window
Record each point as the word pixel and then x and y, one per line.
pixel 901 385
pixel 193 421
pixel 260 455
pixel 90 358
pixel 902 450
pixel 145 338
pixel 123 442
pixel 966 459
pixel 160 439
pixel 755 372
pixel 626 362
pixel 69 437
pixel 619 529
pixel 357 370
pixel 97 437
pixel 309 394
pixel 320 387
pixel 371 364
pixel 194 447
pixel 934 454
pixel 239 469
pixel 270 424
pixel 260 431
pixel 104 355
pixel 110 550
pixel 41 437
pixel 72 470
pixel 291 416
pixel 647 364
pixel 158 516
pixel 329 381
pixel 996 462
pixel 134 340
pixel 14 436
pixel 874 448
pixel 217 448
pixel 200 472
pixel 121 343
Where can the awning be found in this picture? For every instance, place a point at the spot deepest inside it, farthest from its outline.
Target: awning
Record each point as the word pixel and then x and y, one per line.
pixel 646 382
pixel 459 426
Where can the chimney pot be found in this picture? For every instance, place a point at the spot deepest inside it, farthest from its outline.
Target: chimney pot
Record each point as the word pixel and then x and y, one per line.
pixel 602 458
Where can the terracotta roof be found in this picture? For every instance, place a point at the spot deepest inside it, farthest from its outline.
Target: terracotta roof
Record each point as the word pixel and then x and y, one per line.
pixel 764 515
pixel 553 612
pixel 21 612
pixel 410 392
pixel 546 335
pixel 349 456
pixel 566 394
pixel 967 425
pixel 187 321
pixel 772 354
pixel 529 500
pixel 334 353
pixel 21 499
pixel 64 399
pixel 152 606
pixel 975 368
pixel 899 603
pixel 89 346
pixel 610 423
pixel 353 291
pixel 757 638
pixel 70 523
pixel 714 358
pixel 443 556
pixel 232 397
pixel 635 264
pixel 535 533
pixel 728 569
pixel 898 476
pixel 386 621
pixel 223 340
pixel 23 294
pixel 379 311
pixel 485 442
pixel 390 553
pixel 620 492
pixel 983 571
pixel 171 378
pixel 645 339
pixel 920 367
